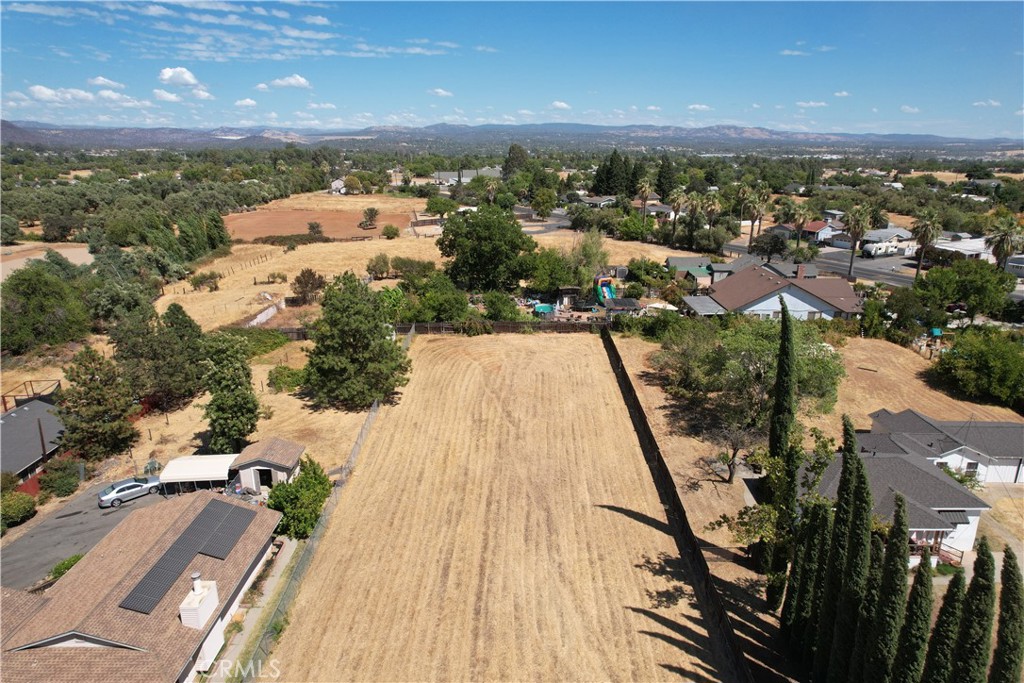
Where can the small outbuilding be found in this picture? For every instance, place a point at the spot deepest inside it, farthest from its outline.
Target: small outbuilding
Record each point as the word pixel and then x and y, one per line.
pixel 269 462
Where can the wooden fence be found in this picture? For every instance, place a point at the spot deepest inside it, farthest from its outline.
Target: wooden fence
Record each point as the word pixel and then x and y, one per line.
pixel 720 626
pixel 506 327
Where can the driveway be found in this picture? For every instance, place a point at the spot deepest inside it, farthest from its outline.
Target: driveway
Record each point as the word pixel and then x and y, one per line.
pixel 76 528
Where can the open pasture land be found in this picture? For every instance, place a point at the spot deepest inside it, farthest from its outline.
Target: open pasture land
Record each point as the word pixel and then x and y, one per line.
pixel 339 215
pixel 501 524
pixel 619 253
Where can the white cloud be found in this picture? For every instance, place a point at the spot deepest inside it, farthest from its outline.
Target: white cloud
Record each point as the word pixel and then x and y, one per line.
pixel 320 105
pixel 448 44
pixel 165 96
pixel 826 48
pixel 699 107
pixel 367 50
pixel 247 102
pixel 1019 112
pixel 293 81
pixel 558 104
pixel 202 93
pixel 262 87
pixel 755 105
pixel 279 13
pixel 841 93
pixel 212 6
pixel 60 95
pixel 122 100
pixel 36 8
pixel 151 10
pixel 907 109
pixel 485 48
pixel 793 53
pixel 653 107
pixel 987 103
pixel 106 82
pixel 525 112
pixel 440 92
pixel 178 75
pixel 811 105
pixel 317 20
pixel 306 35
pixel 874 110
pixel 229 20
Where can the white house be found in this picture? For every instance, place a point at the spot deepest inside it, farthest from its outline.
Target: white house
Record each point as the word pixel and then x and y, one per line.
pixel 821 231
pixel 1015 265
pixel 338 187
pixel 756 291
pixel 150 602
pixel 972 248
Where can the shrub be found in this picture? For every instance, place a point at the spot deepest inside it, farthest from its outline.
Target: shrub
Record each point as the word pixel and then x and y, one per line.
pixel 8 482
pixel 43 497
pixel 258 340
pixel 390 231
pixel 379 266
pixel 209 279
pixel 634 290
pixel 291 241
pixel 276 277
pixel 60 478
pixel 16 507
pixel 301 500
pixel 62 567
pixel 284 378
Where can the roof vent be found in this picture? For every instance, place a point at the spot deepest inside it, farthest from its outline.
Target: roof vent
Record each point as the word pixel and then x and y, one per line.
pixel 200 603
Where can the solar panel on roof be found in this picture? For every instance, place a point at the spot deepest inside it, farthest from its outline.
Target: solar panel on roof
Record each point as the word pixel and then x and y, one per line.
pixel 214 532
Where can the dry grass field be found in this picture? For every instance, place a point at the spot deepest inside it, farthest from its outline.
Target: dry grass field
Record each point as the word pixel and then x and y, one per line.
pixel 336 224
pixel 500 525
pixel 950 177
pixel 321 201
pixel 619 253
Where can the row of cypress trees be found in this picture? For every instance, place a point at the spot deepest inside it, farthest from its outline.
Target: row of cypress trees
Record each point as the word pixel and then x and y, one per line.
pixel 846 617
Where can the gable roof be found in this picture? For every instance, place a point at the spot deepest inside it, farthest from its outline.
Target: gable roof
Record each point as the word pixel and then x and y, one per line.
pixel 684 262
pixel 622 304
pixel 788 269
pixel 85 603
pixel 21 447
pixel 274 450
pixel 1000 440
pixel 834 291
pixel 753 284
pixel 817 226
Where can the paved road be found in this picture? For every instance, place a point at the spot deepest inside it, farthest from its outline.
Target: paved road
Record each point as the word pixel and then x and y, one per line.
pixel 75 528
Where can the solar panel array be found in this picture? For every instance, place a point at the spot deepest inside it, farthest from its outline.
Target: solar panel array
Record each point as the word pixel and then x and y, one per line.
pixel 214 532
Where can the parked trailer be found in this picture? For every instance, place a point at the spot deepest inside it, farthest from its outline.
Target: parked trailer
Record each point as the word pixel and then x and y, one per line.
pixel 880 249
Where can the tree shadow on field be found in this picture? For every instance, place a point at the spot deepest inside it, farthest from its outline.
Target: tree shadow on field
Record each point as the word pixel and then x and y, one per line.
pixel 693 643
pixel 676 571
pixel 646 520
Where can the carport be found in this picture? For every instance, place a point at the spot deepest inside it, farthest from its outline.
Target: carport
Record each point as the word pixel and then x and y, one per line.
pixel 193 472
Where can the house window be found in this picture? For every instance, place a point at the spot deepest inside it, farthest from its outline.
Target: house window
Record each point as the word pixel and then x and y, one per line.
pixel 776 315
pixel 813 315
pixel 971 467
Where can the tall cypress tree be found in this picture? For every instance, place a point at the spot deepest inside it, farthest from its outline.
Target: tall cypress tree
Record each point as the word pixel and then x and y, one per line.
pixel 835 566
pixel 796 571
pixel 858 560
pixel 913 642
pixel 939 661
pixel 866 615
pixel 814 559
pixel 666 180
pixel 779 448
pixel 892 600
pixel 1009 654
pixel 970 656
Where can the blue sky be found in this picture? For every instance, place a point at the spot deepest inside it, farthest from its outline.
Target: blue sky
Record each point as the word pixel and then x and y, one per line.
pixel 944 68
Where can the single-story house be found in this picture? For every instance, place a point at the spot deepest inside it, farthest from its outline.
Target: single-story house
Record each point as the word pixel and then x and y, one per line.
pixel 992 450
pixel 683 263
pixel 699 278
pixel 660 211
pixel 720 271
pixel 338 186
pixel 268 462
pixel 972 248
pixel 821 231
pixel 467 174
pixel 941 513
pixel 783 230
pixel 598 202
pixel 794 188
pixel 893 186
pixel 833 215
pixel 985 183
pixel 150 602
pixel 756 291
pixel 843 240
pixel 31 435
pixel 790 270
pixel 889 234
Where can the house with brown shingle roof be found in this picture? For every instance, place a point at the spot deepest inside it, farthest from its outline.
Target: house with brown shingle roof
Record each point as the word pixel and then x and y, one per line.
pixel 756 291
pixel 268 462
pixel 150 602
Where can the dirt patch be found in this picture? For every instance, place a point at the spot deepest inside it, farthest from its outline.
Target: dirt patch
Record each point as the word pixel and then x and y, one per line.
pixel 619 253
pixel 500 525
pixel 322 201
pixel 16 256
pixel 336 224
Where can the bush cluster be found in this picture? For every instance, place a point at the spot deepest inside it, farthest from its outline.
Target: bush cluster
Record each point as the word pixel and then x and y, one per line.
pixel 301 500
pixel 60 478
pixel 258 340
pixel 284 378
pixel 15 508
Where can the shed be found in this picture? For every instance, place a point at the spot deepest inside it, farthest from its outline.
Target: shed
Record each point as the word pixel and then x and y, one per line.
pixel 269 462
pixel 197 471
pixel 703 306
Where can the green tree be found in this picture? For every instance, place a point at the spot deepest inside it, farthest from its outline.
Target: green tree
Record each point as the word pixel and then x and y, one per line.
pixel 780 427
pixel 233 410
pixel 858 220
pixel 981 287
pixel 938 663
pixel 370 215
pixel 544 202
pixel 16 507
pixel 926 229
pixel 39 308
pixel 95 408
pixel 390 231
pixel 315 229
pixel 441 206
pixel 892 599
pixel 354 360
pixel 551 269
pixel 301 500
pixel 973 640
pixel 985 364
pixel 913 641
pixel 308 284
pixel 9 230
pixel 854 579
pixel 487 250
pixel 500 306
pixel 1009 653
pixel 866 613
pixel 515 161
pixel 1006 239
pixel 666 180
pixel 378 267
pixel 810 582
pixel 769 245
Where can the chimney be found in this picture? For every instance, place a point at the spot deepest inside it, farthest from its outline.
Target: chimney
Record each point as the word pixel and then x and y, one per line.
pixel 199 604
pixel 800 270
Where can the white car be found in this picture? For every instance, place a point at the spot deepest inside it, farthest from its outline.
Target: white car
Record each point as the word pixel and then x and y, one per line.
pixel 126 489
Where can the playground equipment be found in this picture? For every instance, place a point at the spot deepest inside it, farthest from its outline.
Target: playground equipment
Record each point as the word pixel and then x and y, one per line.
pixel 603 288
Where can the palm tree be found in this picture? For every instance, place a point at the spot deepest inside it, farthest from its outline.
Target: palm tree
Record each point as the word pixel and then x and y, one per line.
pixel 755 198
pixel 926 229
pixel 698 207
pixel 785 212
pixel 1007 239
pixel 858 219
pixel 491 187
pixel 643 189
pixel 712 207
pixel 677 200
pixel 804 215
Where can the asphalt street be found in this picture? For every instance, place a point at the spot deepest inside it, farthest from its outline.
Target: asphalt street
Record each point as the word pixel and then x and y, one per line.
pixel 75 528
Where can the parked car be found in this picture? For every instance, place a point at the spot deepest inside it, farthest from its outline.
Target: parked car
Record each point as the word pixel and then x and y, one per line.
pixel 127 489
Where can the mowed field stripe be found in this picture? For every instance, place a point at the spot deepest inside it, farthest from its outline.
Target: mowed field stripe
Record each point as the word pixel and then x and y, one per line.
pixel 485 534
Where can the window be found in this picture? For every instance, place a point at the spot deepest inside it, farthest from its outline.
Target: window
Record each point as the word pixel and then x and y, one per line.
pixel 812 315
pixel 776 315
pixel 971 467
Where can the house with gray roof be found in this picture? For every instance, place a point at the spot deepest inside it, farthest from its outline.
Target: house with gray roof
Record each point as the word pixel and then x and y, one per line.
pixel 993 451
pixel 941 513
pixel 30 436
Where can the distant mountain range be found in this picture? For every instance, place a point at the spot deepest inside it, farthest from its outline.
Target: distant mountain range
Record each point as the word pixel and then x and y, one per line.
pixel 711 139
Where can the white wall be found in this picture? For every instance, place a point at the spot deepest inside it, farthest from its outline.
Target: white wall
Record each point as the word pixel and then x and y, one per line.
pixel 799 303
pixel 962 536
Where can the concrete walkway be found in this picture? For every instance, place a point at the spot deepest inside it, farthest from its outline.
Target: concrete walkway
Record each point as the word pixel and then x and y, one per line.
pixel 228 663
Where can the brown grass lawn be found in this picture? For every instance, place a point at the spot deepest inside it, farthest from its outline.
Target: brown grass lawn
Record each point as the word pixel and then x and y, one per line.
pixel 496 528
pixel 619 253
